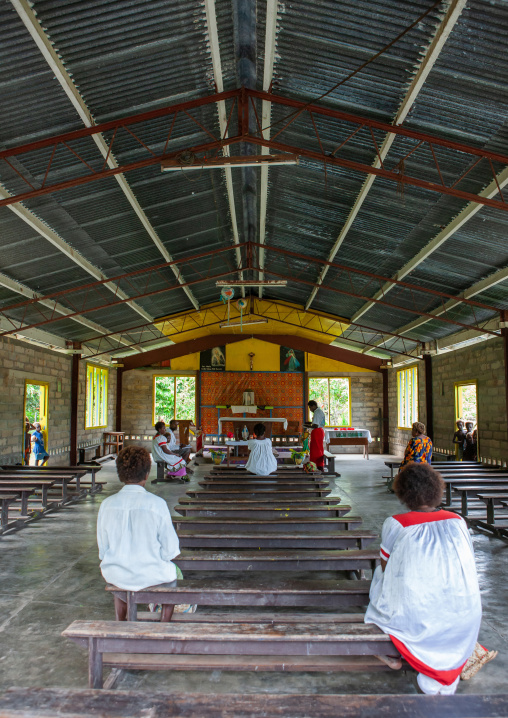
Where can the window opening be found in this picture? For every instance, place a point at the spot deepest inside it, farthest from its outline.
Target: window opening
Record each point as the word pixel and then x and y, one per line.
pixel 174 397
pixel 407 397
pixel 332 394
pixel 96 407
pixel 35 410
pixel 466 402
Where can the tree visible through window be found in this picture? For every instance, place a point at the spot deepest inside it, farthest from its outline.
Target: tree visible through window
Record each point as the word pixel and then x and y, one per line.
pixel 407 397
pixel 465 402
pixel 332 395
pixel 96 404
pixel 174 398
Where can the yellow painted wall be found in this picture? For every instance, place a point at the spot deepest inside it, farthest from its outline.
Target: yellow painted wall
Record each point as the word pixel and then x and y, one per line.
pixel 267 356
pixel 316 363
pixel 190 362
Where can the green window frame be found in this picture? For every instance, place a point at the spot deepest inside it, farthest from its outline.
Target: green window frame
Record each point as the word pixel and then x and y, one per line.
pixel 330 393
pixel 407 397
pixel 96 401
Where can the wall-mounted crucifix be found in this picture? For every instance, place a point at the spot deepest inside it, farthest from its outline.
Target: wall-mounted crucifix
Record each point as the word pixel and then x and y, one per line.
pixel 251 357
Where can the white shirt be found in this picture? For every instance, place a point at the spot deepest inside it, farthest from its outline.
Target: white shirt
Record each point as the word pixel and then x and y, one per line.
pixel 159 455
pixel 319 418
pixel 173 444
pixel 261 460
pixel 136 539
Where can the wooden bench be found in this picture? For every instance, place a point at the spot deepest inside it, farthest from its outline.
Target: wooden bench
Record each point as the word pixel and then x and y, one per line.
pixel 83 449
pixel 263 512
pixel 5 501
pixel 219 539
pixel 105 457
pixel 73 703
pixel 77 471
pixel 348 560
pixel 258 501
pixel 453 482
pixel 330 463
pixel 281 471
pixel 32 485
pixel 271 525
pixel 261 591
pixel 275 493
pixel 491 500
pixel 301 480
pixel 127 639
pixel 467 492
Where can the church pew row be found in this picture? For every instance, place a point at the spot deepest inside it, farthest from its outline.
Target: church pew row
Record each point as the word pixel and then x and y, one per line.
pixel 468 495
pixel 72 703
pixel 274 494
pixel 268 511
pixel 247 646
pixel 60 470
pixel 221 538
pixel 454 483
pixel 272 560
pixel 256 500
pixel 271 525
pixel 227 480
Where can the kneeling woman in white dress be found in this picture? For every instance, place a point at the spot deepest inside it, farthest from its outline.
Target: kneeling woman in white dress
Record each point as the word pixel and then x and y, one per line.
pixel 261 460
pixel 425 594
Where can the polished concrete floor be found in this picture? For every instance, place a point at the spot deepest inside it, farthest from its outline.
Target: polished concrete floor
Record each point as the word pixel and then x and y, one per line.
pixel 49 576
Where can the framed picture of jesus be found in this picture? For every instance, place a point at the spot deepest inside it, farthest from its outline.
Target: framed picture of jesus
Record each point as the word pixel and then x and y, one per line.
pixel 291 360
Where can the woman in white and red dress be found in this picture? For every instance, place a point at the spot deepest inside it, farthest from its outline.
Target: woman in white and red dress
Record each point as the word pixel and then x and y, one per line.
pixel 425 594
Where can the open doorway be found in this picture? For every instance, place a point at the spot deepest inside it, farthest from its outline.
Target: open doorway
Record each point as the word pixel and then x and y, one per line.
pixel 466 410
pixel 35 411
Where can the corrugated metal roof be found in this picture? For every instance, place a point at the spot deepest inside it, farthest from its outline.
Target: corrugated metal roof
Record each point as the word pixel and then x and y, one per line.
pixel 127 57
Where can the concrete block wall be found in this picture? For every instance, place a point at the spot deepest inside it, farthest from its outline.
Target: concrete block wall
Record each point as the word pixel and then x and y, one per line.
pixel 366 403
pixel 86 437
pixel 20 362
pixel 483 363
pixel 398 437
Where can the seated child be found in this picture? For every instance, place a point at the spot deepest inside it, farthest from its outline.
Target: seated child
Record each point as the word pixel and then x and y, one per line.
pixel 261 460
pixel 135 534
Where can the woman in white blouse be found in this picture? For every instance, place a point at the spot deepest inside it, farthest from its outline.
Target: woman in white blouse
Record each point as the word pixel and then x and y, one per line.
pixel 136 536
pixel 261 460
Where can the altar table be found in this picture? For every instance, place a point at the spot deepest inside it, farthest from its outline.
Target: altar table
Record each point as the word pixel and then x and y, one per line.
pixel 355 437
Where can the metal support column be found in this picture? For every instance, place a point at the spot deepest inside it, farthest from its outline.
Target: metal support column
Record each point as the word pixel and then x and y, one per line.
pixel 427 360
pixel 386 427
pixel 118 421
pixel 504 332
pixel 73 454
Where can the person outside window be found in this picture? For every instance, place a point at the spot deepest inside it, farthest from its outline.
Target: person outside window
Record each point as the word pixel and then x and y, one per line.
pixel 39 452
pixel 261 459
pixel 135 534
pixel 425 593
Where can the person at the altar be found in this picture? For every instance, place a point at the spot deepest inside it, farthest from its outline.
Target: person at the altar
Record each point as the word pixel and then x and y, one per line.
pixel 318 415
pixel 261 460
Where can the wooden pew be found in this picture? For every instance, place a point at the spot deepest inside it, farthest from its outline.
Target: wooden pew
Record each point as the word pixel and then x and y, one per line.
pixel 305 560
pixel 492 500
pixel 257 501
pixel 468 491
pixel 78 471
pixel 218 539
pixel 22 493
pixel 73 703
pixel 261 591
pixel 275 493
pixel 35 484
pixel 281 512
pixel 272 525
pixel 5 501
pixel 451 482
pixel 302 480
pixel 251 642
pixel 281 470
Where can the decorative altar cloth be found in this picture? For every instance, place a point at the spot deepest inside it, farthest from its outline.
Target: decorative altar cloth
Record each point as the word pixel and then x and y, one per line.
pixel 342 434
pixel 246 408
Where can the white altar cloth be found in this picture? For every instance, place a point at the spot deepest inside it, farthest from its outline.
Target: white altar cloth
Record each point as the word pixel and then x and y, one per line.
pixel 341 434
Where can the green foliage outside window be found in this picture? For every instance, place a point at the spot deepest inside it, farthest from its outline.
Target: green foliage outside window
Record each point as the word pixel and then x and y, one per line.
pixel 332 395
pixel 174 398
pixel 33 402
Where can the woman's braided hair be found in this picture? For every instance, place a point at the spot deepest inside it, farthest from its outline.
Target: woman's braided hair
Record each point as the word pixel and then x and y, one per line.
pixel 133 464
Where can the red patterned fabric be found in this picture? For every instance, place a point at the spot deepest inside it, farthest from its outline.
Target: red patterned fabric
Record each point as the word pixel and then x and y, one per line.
pixel 317 452
pixel 277 389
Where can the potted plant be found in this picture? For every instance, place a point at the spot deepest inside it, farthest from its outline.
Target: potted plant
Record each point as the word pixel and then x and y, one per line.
pixel 297 456
pixel 217 456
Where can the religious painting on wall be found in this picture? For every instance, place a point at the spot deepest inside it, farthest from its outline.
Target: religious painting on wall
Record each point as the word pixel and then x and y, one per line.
pixel 291 359
pixel 213 359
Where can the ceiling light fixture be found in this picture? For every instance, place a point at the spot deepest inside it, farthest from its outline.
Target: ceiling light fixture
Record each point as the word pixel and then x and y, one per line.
pixel 189 161
pixel 245 323
pixel 252 283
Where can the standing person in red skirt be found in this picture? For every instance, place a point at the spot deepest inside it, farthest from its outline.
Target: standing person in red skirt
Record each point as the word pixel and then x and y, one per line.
pixel 317 449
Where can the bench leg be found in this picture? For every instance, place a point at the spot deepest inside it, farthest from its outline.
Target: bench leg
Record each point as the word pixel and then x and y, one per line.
pixel 120 609
pixel 167 612
pixel 132 608
pixel 94 665
pixel 490 512
pixel 5 514
pixel 160 471
pixel 464 503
